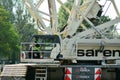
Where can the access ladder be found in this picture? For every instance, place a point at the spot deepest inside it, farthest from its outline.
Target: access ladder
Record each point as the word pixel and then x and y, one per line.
pixel 41 73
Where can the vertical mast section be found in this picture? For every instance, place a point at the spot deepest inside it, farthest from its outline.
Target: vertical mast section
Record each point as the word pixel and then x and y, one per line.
pixel 53 18
pixel 34 11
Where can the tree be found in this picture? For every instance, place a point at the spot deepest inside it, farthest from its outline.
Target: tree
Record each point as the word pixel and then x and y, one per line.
pixel 63 15
pixel 8 5
pixel 21 22
pixel 20 17
pixel 8 37
pixel 24 22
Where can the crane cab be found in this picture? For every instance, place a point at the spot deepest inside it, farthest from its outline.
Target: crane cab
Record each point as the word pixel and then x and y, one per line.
pixel 39 48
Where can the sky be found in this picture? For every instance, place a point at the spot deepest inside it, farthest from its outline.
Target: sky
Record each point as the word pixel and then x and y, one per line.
pixel 110 12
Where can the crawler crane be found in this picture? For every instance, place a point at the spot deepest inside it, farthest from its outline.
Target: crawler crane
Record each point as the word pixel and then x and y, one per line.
pixel 69 54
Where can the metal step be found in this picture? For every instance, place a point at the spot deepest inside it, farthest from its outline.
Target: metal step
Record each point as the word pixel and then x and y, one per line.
pixel 41 73
pixel 14 70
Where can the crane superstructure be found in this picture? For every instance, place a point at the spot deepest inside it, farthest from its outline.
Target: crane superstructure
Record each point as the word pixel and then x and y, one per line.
pixel 82 10
pixel 70 50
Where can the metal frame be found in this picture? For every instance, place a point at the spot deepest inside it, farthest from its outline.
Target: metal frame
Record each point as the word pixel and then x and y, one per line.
pixel 77 14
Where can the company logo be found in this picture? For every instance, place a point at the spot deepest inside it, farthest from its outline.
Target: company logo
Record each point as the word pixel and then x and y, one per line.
pixel 95 53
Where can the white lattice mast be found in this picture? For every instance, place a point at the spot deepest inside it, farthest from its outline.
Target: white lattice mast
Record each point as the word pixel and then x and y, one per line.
pixel 81 10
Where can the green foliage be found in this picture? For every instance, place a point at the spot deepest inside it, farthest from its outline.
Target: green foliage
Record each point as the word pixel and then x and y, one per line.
pixel 63 15
pixel 20 17
pixel 17 23
pixel 4 16
pixel 24 22
pixel 8 37
pixel 101 20
pixel 96 21
pixel 8 5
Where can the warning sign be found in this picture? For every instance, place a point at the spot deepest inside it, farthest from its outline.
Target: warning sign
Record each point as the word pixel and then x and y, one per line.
pixel 68 77
pixel 97 77
pixel 68 71
pixel 97 70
